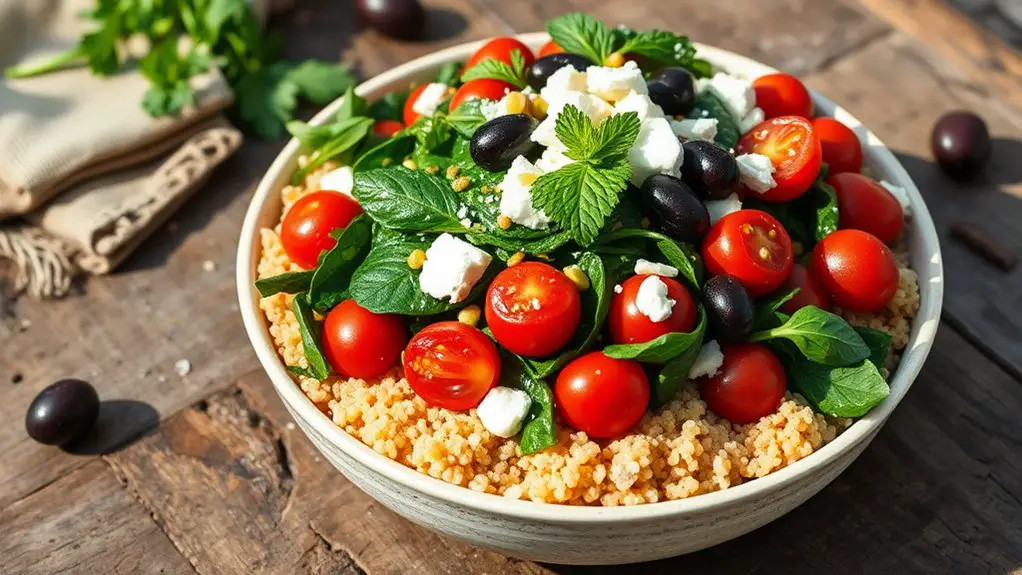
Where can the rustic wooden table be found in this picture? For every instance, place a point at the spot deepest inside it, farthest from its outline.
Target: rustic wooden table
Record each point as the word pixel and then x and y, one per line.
pixel 203 472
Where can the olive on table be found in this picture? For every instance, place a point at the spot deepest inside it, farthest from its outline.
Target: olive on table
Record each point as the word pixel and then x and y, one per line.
pixel 961 144
pixel 680 95
pixel 398 18
pixel 498 142
pixel 63 412
pixel 543 68
pixel 729 309
pixel 709 170
pixel 674 208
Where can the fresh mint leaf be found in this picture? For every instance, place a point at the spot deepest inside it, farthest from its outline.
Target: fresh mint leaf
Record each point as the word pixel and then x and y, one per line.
pixel 820 336
pixel 311 332
pixel 467 118
pixel 386 153
pixel 879 343
pixel 494 69
pixel 661 349
pixel 615 137
pixel 288 282
pixel 665 49
pixel 408 200
pixel 576 131
pixel 580 196
pixel 430 132
pixel 582 34
pixel 708 105
pixel 315 138
pixel 320 82
pixel 849 391
pixel 448 74
pixel 329 284
pixel 352 106
pixel 678 255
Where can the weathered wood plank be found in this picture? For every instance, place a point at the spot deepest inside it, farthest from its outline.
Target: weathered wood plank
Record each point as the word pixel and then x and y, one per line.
pixel 85 523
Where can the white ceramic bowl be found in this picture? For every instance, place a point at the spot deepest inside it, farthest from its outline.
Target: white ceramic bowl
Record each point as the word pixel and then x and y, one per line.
pixel 586 535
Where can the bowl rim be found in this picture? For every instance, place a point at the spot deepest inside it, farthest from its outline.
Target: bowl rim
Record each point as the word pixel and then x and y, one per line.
pixel 864 429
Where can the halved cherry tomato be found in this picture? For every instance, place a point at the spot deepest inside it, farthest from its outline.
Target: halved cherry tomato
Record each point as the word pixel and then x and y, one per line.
pixel 410 115
pixel 841 149
pixel 550 47
pixel 793 148
pixel 863 204
pixel 857 269
pixel 748 386
pixel 360 343
pixel 451 365
pixel 500 49
pixel 601 396
pixel 753 247
pixel 533 309
pixel 782 95
pixel 483 88
pixel 387 128
pixel 629 325
pixel 810 290
pixel 305 231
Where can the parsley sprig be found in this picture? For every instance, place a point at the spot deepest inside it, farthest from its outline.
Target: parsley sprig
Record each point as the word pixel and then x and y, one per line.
pixel 581 195
pixel 492 68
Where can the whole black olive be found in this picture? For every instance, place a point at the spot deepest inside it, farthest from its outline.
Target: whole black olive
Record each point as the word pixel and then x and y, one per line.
pixel 398 18
pixel 543 68
pixel 498 142
pixel 961 144
pixel 662 95
pixel 682 86
pixel 62 412
pixel 674 208
pixel 709 170
pixel 729 310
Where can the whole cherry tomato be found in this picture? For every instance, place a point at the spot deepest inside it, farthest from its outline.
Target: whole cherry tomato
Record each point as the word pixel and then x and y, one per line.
pixel 533 309
pixel 451 365
pixel 857 269
pixel 601 396
pixel 387 128
pixel 782 95
pixel 550 47
pixel 360 343
pixel 485 88
pixel 305 231
pixel 500 48
pixel 410 115
pixel 810 290
pixel 751 246
pixel 841 149
pixel 748 386
pixel 794 150
pixel 863 204
pixel 629 325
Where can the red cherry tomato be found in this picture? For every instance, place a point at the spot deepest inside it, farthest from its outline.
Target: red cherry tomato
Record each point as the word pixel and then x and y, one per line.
pixel 629 325
pixel 841 149
pixel 753 247
pixel 793 148
pixel 550 47
pixel 810 290
pixel 863 204
pixel 857 269
pixel 475 89
pixel 748 386
pixel 601 396
pixel 410 115
pixel 500 48
pixel 782 95
pixel 451 365
pixel 533 309
pixel 307 225
pixel 360 343
pixel 387 128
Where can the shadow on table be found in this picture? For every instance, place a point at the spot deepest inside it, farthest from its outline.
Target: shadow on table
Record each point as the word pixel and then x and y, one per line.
pixel 120 422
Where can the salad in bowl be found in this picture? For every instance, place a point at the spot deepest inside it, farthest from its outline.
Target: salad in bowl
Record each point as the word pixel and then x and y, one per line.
pixel 604 273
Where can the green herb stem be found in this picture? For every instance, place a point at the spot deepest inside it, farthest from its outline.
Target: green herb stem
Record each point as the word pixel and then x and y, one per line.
pixel 58 62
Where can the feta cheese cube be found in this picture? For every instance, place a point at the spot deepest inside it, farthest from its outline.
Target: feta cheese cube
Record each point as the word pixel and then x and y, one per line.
pixel 614 84
pixel 516 195
pixel 552 160
pixel 640 104
pixel 751 120
pixel 720 208
pixel 756 172
pixel 708 362
pixel 696 129
pixel 451 268
pixel 431 97
pixel 566 78
pixel 595 108
pixel 646 267
pixel 503 410
pixel 340 180
pixel 652 300
pixel 899 194
pixel 737 94
pixel 656 151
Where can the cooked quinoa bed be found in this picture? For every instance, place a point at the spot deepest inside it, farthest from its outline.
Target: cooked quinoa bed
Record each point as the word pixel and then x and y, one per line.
pixel 680 450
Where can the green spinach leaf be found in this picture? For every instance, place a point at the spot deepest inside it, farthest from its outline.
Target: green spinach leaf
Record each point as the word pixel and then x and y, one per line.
pixel 329 285
pixel 708 105
pixel 288 282
pixel 879 343
pixel 679 255
pixel 538 430
pixel 448 74
pixel 768 314
pixel 386 153
pixel 311 332
pixel 467 118
pixel 664 348
pixel 343 140
pixel 673 375
pixel 821 336
pixel 408 200
pixel 389 107
pixel 848 391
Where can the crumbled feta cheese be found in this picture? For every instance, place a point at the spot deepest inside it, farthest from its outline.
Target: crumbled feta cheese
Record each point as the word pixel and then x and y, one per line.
pixel 431 97
pixel 708 362
pixel 340 180
pixel 720 208
pixel 754 118
pixel 516 196
pixel 899 194
pixel 646 267
pixel 656 151
pixel 503 411
pixel 491 109
pixel 737 94
pixel 652 300
pixel 566 78
pixel 614 84
pixel 463 211
pixel 696 129
pixel 451 268
pixel 182 367
pixel 756 172
pixel 552 160
pixel 595 108
pixel 618 288
pixel 640 104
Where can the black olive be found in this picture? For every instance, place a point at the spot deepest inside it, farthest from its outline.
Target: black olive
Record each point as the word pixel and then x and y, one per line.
pixel 729 310
pixel 709 170
pixel 674 208
pixel 961 144
pixel 543 68
pixel 682 87
pixel 398 18
pixel 498 142
pixel 62 413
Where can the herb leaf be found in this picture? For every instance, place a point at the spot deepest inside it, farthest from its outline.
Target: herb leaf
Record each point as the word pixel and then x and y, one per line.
pixel 320 82
pixel 408 200
pixel 675 373
pixel 666 49
pixel 582 34
pixel 329 285
pixel 389 107
pixel 494 69
pixel 678 255
pixel 708 105
pixel 768 313
pixel 849 391
pixel 311 332
pixel 822 201
pixel 334 140
pixel 879 343
pixel 448 74
pixel 821 336
pixel 467 118
pixel 385 153
pixel 663 348
pixel 288 282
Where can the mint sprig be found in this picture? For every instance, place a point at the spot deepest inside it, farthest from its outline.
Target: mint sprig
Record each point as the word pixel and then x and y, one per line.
pixel 582 34
pixel 494 69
